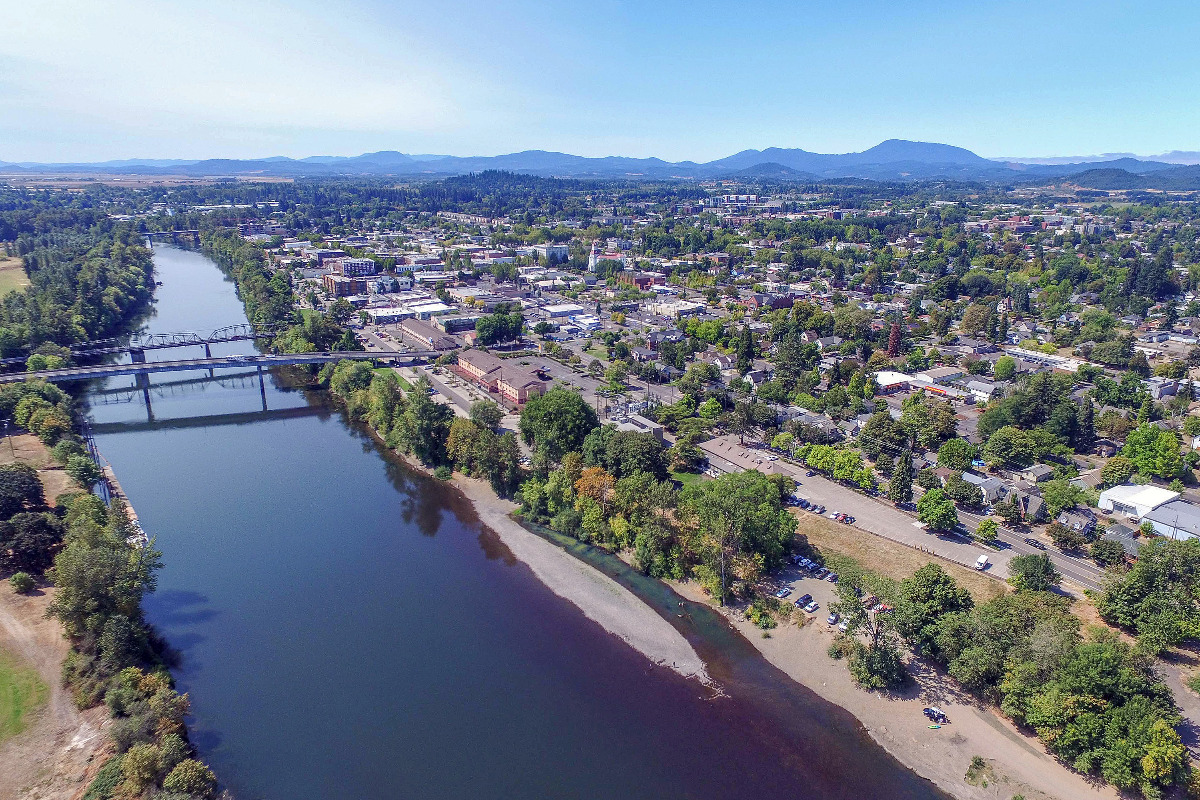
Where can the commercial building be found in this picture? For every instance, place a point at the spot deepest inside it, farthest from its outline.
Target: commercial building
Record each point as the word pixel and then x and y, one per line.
pixel 357 267
pixel 341 286
pixel 513 383
pixel 1177 519
pixel 1133 500
pixel 426 334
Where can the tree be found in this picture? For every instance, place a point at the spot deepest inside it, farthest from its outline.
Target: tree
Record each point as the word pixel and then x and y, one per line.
pixel 486 414
pixel 894 340
pixel 877 663
pixel 557 421
pixel 21 582
pixel 1117 471
pixel 956 454
pixel 1005 368
pixel 988 531
pixel 1154 451
pixel 924 598
pixel 740 526
pixel 1060 494
pixel 83 471
pixel 424 425
pixel 1065 537
pixel 1107 553
pixel 1159 597
pixel 20 489
pixel 1033 573
pixel 900 485
pixel 965 494
pixel 937 511
pixel 190 777
pixel 28 541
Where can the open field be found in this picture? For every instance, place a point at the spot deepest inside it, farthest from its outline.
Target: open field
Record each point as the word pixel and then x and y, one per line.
pixel 889 558
pixel 687 478
pixel 22 693
pixel 12 274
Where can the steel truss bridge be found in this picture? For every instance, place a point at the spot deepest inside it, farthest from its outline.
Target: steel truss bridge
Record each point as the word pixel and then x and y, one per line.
pixel 138 344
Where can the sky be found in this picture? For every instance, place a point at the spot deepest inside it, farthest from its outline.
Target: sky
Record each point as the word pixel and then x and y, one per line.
pixel 93 80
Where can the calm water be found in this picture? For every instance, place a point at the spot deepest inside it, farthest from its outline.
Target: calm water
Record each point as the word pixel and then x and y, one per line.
pixel 347 629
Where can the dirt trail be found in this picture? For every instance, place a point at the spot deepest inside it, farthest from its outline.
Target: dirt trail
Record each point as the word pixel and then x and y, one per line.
pixel 53 758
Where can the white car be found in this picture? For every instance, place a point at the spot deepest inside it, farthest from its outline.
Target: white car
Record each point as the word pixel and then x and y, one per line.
pixel 981 563
pixel 811 607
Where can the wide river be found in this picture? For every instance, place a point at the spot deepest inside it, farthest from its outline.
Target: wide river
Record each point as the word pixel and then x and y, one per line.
pixel 347 629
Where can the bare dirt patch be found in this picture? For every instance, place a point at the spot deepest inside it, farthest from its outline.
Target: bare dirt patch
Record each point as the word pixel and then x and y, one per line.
pixel 12 274
pixel 890 559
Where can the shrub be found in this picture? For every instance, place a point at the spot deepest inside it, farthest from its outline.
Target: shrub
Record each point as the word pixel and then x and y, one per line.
pixel 190 777
pixel 83 471
pixel 106 781
pixel 21 582
pixel 443 473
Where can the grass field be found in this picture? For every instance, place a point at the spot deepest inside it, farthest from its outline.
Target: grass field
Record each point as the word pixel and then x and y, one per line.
pixel 22 693
pixel 885 557
pixel 687 478
pixel 405 385
pixel 12 274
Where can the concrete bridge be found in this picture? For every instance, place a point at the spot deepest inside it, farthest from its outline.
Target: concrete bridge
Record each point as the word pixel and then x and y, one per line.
pixel 255 361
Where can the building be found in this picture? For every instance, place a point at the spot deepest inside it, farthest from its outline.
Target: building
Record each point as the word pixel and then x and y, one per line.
pixel 1078 519
pixel 386 316
pixel 517 385
pixel 889 381
pixel 563 310
pixel 552 252
pixel 341 286
pixel 992 488
pixel 636 423
pixel 426 334
pixel 482 367
pixel 1135 501
pixel 456 324
pixel 1176 519
pixel 982 391
pixel 357 267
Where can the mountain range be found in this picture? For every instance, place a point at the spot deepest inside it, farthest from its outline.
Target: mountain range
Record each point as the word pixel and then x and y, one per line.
pixel 892 160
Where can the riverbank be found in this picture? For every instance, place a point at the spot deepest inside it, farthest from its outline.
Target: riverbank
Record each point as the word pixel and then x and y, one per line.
pixel 1019 765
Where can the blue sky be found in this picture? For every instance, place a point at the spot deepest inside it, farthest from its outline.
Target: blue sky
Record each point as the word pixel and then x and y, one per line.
pixel 100 79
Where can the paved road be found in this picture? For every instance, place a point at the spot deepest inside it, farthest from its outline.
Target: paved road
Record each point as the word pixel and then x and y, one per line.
pixel 884 519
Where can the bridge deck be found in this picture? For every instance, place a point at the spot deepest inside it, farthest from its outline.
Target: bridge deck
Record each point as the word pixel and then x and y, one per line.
pixel 147 367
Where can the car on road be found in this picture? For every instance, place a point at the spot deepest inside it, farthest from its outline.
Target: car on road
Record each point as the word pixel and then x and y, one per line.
pixel 812 607
pixel 1032 542
pixel 832 619
pixel 803 600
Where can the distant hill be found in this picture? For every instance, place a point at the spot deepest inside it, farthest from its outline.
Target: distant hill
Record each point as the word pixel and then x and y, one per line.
pixel 1178 179
pixel 891 160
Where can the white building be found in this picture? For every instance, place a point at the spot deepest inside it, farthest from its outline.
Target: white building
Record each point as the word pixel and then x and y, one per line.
pixel 358 267
pixel 1133 500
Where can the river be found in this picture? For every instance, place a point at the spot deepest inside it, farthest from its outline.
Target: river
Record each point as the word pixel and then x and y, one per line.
pixel 346 628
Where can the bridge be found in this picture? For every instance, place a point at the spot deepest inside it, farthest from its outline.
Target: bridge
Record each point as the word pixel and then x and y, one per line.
pixel 138 344
pixel 257 361
pixel 194 235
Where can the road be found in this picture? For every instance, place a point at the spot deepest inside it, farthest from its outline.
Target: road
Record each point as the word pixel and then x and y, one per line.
pixel 884 519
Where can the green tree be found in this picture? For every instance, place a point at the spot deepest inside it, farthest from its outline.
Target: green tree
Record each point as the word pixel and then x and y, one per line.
pixel 83 471
pixel 956 454
pixel 1107 553
pixel 923 599
pixel 1159 597
pixel 740 526
pixel 20 489
pixel 1005 368
pixel 191 777
pixel 1033 573
pixel 486 414
pixel 423 427
pixel 988 531
pixel 900 484
pixel 937 511
pixel 1117 471
pixel 1154 451
pixel 557 422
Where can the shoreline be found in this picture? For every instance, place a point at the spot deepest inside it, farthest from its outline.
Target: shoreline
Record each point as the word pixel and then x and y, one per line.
pixel 1019 763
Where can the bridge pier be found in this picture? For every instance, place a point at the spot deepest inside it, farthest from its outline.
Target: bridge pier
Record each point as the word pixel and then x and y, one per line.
pixel 262 388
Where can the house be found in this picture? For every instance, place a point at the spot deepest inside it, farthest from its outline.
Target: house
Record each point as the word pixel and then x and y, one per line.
pixel 1176 519
pixel 992 488
pixel 1125 536
pixel 1077 519
pixel 1135 500
pixel 1033 507
pixel 982 391
pixel 1037 473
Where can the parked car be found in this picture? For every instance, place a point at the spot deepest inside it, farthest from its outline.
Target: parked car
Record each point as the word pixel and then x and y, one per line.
pixel 803 600
pixel 809 474
pixel 822 574
pixel 832 619
pixel 812 607
pixel 849 520
pixel 1032 542
pixel 832 577
pixel 845 626
pixel 784 592
pixel 981 563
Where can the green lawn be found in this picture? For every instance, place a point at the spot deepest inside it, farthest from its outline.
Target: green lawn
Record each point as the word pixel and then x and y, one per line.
pixel 404 384
pixel 687 478
pixel 12 275
pixel 22 692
